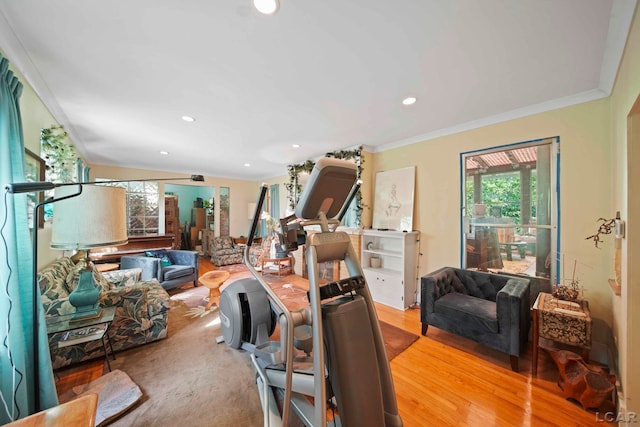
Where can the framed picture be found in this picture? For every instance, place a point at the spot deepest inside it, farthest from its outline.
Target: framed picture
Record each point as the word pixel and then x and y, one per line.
pixel 34 168
pixel 393 201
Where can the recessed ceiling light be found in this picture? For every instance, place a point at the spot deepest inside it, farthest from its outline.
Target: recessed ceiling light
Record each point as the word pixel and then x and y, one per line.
pixel 164 153
pixel 246 165
pixel 268 7
pixel 296 145
pixel 188 119
pixel 409 100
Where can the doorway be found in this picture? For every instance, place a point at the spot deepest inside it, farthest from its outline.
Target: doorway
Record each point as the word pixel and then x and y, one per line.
pixel 510 209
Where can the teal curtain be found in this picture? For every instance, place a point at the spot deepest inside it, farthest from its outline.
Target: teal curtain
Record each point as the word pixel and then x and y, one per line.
pixel 17 293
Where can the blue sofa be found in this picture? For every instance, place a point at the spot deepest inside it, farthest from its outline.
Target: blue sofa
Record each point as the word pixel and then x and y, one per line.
pixel 491 309
pixel 184 267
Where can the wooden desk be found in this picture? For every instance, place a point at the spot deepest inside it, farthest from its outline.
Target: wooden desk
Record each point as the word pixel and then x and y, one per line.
pixel 561 322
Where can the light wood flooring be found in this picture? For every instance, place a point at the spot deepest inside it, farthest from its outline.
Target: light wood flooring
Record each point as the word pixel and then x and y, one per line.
pixel 445 380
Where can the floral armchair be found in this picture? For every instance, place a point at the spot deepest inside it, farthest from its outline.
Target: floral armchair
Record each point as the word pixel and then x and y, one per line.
pixel 141 309
pixel 224 251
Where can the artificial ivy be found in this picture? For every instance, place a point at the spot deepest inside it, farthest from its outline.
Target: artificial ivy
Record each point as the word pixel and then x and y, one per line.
pixel 60 156
pixel 294 189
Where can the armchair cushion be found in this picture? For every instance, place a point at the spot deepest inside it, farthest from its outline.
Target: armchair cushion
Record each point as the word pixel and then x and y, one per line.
pixel 176 271
pixel 120 278
pixel 479 286
pixel 224 251
pixel 223 242
pixel 476 313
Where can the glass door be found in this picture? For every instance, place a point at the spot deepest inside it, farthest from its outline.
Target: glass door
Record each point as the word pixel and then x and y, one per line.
pixel 509 209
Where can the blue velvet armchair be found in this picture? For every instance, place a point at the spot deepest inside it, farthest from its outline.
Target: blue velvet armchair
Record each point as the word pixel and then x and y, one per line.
pixel 184 267
pixel 491 309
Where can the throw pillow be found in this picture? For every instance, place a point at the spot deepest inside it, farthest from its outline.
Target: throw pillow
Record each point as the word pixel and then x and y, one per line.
pixel 74 276
pixel 165 259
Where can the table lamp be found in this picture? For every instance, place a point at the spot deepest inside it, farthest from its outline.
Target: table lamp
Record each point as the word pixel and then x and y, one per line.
pixel 97 218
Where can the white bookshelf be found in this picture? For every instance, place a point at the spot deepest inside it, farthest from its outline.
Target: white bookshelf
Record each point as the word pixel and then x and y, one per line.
pixel 395 282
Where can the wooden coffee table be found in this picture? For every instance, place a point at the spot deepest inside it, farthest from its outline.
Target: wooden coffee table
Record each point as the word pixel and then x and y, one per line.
pixel 213 280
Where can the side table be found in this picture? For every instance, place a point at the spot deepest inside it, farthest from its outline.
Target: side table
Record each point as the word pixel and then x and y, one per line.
pixel 282 265
pixel 65 323
pixel 560 321
pixel 212 280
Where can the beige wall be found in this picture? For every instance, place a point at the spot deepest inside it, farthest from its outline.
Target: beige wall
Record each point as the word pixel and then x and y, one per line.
pixel 585 179
pixel 35 116
pixel 626 198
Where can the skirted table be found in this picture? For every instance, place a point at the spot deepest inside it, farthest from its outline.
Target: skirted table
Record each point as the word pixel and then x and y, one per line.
pixel 565 322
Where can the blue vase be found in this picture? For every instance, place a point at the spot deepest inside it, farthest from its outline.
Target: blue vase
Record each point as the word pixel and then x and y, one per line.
pixel 85 296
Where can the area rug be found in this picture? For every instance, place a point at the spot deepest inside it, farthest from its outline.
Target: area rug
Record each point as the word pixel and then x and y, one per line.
pixel 396 340
pixel 116 394
pixel 188 379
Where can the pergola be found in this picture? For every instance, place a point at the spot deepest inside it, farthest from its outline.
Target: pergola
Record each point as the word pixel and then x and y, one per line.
pixel 523 160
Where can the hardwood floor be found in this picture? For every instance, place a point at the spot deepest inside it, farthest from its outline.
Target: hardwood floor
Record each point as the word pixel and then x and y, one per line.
pixel 445 380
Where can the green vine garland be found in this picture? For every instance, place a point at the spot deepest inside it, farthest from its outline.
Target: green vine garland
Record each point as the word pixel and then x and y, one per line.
pixel 294 189
pixel 60 156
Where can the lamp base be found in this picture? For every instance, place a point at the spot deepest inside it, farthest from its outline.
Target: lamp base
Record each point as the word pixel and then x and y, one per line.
pixel 85 296
pixel 86 315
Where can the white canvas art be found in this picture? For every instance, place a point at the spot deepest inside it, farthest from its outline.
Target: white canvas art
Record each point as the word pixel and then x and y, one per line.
pixel 393 203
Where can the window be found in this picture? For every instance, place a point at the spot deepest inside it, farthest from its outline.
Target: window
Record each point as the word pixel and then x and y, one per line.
pixel 509 212
pixel 143 214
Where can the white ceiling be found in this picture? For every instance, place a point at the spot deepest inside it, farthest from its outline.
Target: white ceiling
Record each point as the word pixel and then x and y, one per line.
pixel 325 74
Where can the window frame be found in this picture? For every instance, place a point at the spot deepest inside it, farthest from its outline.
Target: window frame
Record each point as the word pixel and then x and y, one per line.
pixel 554 176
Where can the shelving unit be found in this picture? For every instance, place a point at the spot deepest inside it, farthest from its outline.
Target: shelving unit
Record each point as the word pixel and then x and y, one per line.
pixel 395 281
pixel 172 219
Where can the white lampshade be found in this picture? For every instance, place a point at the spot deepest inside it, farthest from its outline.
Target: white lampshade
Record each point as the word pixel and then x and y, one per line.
pixel 97 218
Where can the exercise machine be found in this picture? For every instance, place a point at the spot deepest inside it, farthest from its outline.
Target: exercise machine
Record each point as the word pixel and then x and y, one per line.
pixel 331 354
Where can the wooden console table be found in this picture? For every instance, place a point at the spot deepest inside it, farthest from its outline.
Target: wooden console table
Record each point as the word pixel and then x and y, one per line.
pixel 562 322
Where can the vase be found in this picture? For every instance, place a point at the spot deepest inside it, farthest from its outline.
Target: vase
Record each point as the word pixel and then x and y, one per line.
pixel 85 296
